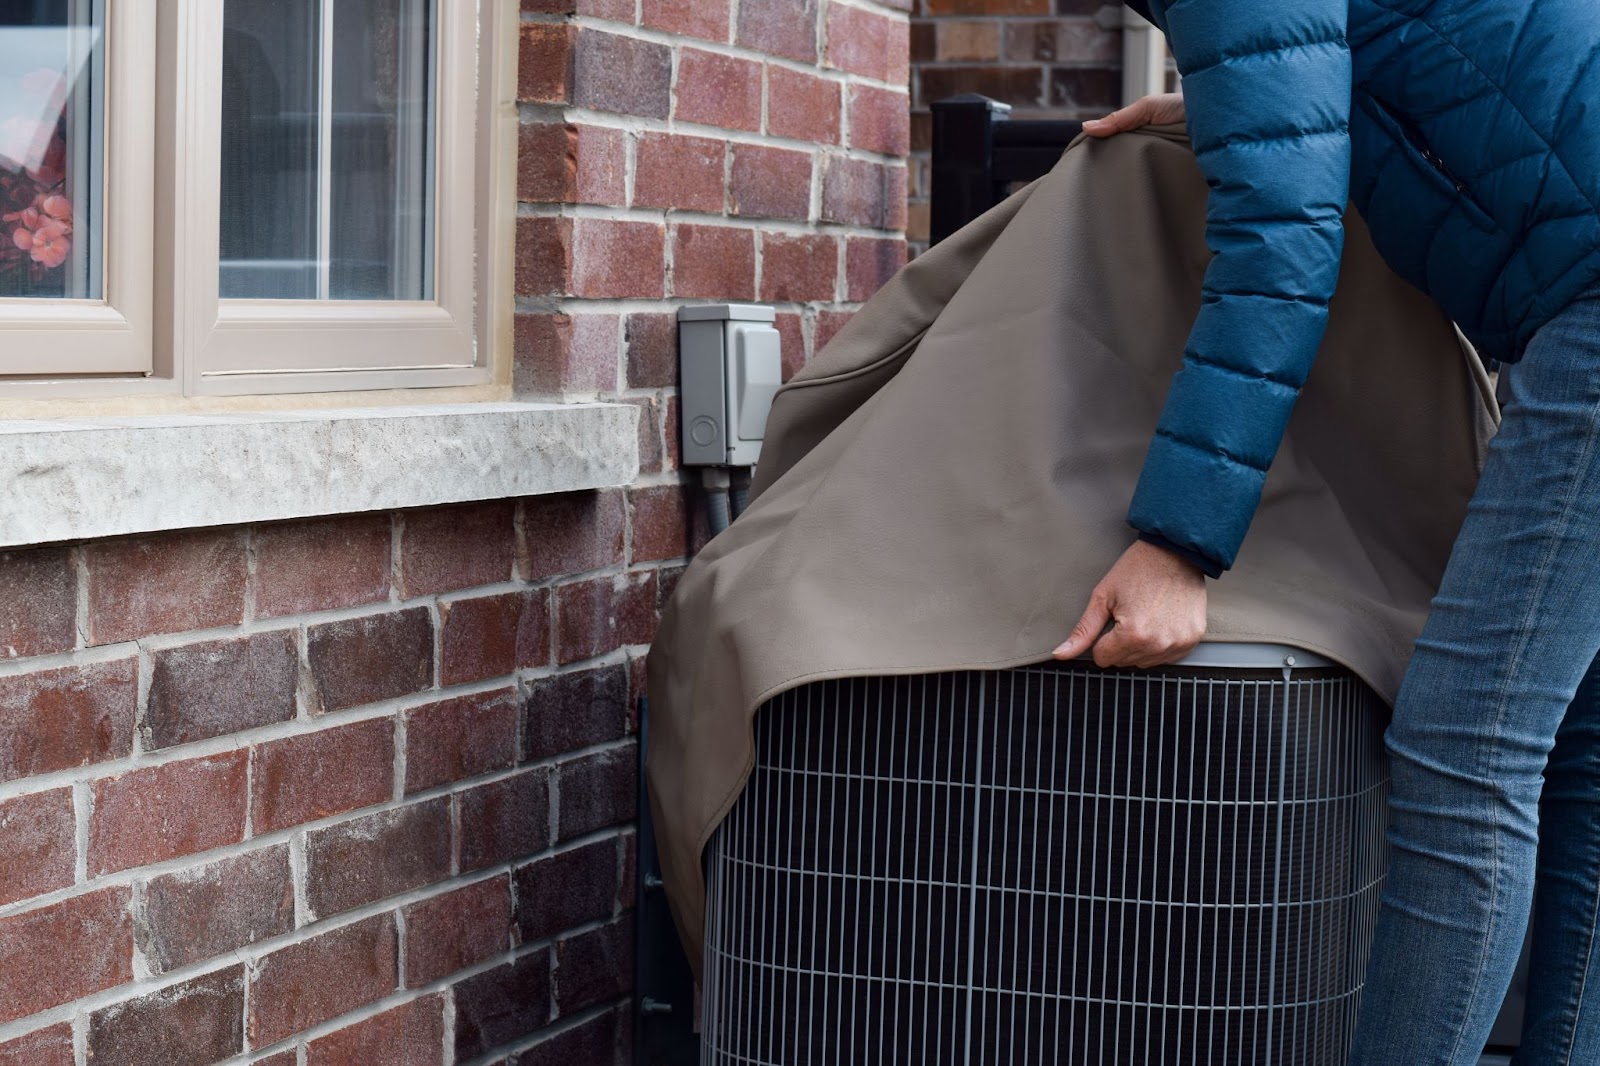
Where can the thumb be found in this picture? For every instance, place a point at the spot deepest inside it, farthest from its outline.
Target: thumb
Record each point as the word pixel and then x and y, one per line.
pixel 1088 629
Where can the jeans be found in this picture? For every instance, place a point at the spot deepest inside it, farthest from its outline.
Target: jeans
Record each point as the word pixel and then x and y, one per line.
pixel 1495 746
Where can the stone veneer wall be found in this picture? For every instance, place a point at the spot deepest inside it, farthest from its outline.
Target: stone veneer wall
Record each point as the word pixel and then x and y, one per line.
pixel 361 789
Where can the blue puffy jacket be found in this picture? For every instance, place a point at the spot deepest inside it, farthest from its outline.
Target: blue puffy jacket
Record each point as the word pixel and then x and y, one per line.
pixel 1466 132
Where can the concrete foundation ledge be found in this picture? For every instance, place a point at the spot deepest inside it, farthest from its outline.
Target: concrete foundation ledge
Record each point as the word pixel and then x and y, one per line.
pixel 76 479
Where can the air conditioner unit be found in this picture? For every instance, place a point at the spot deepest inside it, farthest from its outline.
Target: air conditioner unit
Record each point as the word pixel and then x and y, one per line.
pixel 1053 864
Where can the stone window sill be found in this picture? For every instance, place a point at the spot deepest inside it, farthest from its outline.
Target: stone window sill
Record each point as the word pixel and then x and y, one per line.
pixel 79 479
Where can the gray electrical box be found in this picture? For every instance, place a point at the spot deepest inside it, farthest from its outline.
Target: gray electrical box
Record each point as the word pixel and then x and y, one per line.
pixel 731 365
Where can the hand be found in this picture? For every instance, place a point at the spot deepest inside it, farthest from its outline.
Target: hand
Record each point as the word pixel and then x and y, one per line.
pixel 1151 111
pixel 1158 602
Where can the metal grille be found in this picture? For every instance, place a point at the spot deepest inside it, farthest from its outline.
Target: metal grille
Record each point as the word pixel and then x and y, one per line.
pixel 1053 864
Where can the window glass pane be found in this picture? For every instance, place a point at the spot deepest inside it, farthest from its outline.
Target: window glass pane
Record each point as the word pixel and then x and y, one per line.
pixel 327 149
pixel 52 154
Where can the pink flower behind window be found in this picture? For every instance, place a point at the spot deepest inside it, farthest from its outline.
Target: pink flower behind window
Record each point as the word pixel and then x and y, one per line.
pixel 48 245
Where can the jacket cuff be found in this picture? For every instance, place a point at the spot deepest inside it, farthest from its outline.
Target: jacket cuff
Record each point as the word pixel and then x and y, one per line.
pixel 1210 567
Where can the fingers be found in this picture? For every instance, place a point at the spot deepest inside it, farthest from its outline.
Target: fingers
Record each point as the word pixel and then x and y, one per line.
pixel 1088 629
pixel 1130 645
pixel 1131 117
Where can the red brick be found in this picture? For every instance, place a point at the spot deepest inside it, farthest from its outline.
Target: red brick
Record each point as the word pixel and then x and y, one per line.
pixel 214 687
pixel 504 820
pixel 969 41
pixel 544 62
pixel 792 341
pixel 870 262
pixel 679 172
pixel 162 812
pixel 559 354
pixel 862 193
pixel 569 888
pixel 613 259
pixel 543 255
pixel 705 19
pixel 771 182
pixel 38 840
pixel 203 912
pixel 600 165
pixel 671 434
pixel 50 1046
pixel 70 716
pixel 802 106
pixel 1021 86
pixel 448 548
pixel 322 565
pixel 574 710
pixel 381 855
pixel 36 974
pixel 986 7
pixel 780 27
pixel 829 323
pixel 547 162
pixel 462 928
pixel 282 1058
pixel 459 738
pixel 660 522
pixel 502 1005
pixel 594 967
pixel 197 1022
pixel 376 657
pixel 604 1038
pixel 652 340
pixel 650 457
pixel 718 90
pixel 38 602
pixel 487 636
pixel 627 75
pixel 713 262
pixel 411 1034
pixel 311 982
pixel 314 775
pixel 597 792
pixel 1070 40
pixel 869 44
pixel 170 583
pixel 924 42
pixel 604 613
pixel 1091 91
pixel 570 532
pixel 799 267
pixel 880 120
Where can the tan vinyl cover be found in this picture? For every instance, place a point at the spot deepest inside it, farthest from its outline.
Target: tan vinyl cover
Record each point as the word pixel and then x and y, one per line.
pixel 945 483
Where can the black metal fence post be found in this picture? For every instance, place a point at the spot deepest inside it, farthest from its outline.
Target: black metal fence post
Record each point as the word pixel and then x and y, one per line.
pixel 964 185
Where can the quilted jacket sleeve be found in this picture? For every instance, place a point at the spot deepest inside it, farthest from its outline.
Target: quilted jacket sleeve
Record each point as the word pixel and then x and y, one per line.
pixel 1267 92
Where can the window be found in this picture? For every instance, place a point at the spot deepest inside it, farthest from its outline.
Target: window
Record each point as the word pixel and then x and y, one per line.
pixel 75 187
pixel 241 196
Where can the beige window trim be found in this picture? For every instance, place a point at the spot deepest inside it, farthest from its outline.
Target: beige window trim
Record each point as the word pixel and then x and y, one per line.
pixel 113 334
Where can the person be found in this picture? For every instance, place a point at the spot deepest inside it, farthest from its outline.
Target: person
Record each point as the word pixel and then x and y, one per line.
pixel 1465 133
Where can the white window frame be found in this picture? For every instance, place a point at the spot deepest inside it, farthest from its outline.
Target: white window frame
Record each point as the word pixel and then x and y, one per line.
pixel 112 334
pixel 163 267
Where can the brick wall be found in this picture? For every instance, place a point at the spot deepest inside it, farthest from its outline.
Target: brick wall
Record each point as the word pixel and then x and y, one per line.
pixel 361 790
pixel 360 786
pixel 1046 58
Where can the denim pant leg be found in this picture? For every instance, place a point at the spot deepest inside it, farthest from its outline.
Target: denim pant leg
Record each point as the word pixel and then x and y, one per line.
pixel 1562 1024
pixel 1510 635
